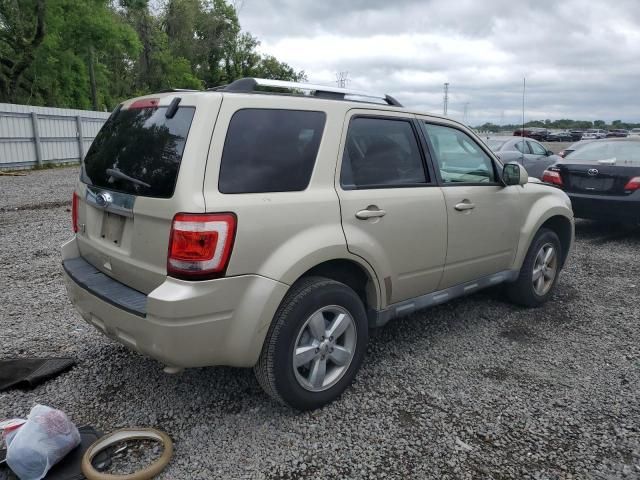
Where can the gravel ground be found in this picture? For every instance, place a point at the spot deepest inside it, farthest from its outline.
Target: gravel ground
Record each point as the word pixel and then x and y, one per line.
pixel 473 389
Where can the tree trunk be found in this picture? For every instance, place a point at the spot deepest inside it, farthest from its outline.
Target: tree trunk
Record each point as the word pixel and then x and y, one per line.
pixel 92 79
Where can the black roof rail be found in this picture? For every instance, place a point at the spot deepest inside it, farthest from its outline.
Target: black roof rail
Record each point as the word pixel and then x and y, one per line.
pixel 248 85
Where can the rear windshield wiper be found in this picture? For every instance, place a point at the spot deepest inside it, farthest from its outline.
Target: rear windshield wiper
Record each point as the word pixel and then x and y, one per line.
pixel 123 176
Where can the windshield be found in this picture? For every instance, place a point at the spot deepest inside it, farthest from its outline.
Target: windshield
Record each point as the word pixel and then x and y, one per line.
pixel 618 153
pixel 138 151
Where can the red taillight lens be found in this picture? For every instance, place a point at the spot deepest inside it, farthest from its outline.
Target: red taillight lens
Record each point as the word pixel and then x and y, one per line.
pixel 74 212
pixel 144 103
pixel 633 184
pixel 200 245
pixel 551 176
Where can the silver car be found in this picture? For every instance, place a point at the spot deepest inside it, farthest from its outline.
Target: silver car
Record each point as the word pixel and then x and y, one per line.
pixel 529 153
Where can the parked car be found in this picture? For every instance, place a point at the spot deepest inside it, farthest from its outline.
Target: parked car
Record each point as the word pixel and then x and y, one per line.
pixel 594 134
pixel 602 179
pixel 574 146
pixel 634 132
pixel 533 156
pixel 576 135
pixel 617 133
pixel 539 134
pixel 565 136
pixel 233 227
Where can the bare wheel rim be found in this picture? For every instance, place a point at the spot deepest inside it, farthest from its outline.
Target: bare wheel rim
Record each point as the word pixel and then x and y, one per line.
pixel 324 348
pixel 545 268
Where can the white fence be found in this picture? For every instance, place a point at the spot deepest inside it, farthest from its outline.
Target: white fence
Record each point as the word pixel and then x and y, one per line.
pixel 31 136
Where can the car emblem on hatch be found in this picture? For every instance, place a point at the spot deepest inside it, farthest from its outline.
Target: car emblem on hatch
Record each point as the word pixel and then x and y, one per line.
pixel 592 172
pixel 103 199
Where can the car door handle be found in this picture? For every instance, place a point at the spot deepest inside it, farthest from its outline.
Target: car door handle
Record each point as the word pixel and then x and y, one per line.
pixel 370 212
pixel 465 205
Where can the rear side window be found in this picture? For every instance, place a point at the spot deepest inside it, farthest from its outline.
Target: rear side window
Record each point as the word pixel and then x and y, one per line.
pixel 143 145
pixel 270 150
pixel 381 153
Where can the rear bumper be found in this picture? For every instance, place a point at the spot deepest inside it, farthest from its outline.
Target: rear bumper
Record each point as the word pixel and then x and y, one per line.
pixel 180 323
pixel 607 207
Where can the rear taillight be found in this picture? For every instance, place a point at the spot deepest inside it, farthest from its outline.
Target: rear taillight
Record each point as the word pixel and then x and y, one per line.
pixel 74 212
pixel 550 176
pixel 633 184
pixel 200 245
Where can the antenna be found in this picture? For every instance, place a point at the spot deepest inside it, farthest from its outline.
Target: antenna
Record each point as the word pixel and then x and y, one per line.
pixel 465 115
pixel 524 85
pixel 445 106
pixel 342 79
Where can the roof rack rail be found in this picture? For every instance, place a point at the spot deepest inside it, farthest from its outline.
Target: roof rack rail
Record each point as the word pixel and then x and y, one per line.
pixel 169 90
pixel 247 85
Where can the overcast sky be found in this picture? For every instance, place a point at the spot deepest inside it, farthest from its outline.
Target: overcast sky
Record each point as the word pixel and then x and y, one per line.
pixel 581 59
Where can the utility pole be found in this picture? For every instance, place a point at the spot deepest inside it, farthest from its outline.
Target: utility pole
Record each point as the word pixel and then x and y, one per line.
pixel 342 79
pixel 445 106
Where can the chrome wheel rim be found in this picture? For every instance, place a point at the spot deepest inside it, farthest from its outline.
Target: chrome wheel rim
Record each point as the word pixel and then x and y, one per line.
pixel 545 268
pixel 324 348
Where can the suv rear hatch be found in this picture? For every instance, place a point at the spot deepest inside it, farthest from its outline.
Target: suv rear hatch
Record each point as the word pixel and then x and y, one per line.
pixel 145 165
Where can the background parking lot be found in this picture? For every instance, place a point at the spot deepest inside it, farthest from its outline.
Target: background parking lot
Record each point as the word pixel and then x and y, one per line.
pixel 477 388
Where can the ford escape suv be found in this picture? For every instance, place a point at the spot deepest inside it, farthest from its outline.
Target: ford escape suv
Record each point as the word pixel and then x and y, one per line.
pixel 272 229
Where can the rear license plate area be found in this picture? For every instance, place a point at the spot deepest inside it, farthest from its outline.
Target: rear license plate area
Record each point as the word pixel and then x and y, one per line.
pixel 592 184
pixel 112 228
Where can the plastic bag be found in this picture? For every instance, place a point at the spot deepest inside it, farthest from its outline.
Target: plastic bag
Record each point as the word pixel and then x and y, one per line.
pixel 41 442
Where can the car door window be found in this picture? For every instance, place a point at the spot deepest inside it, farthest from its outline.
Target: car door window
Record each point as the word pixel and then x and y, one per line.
pixel 537 149
pixel 458 157
pixel 381 153
pixel 522 147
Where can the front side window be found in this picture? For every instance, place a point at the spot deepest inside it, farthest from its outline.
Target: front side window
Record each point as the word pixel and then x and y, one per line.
pixel 381 152
pixel 269 150
pixel 459 158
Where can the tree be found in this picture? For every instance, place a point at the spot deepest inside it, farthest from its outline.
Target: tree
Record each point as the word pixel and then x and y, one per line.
pixel 95 53
pixel 22 31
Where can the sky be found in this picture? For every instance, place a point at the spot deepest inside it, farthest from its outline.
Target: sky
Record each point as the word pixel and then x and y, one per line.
pixel 580 58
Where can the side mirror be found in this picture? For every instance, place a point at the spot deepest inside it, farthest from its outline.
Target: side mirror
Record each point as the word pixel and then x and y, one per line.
pixel 549 153
pixel 514 174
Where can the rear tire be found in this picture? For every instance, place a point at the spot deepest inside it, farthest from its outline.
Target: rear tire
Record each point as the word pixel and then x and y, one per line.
pixel 540 270
pixel 315 344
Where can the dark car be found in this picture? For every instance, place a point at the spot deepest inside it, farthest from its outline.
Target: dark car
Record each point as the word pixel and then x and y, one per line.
pixel 576 135
pixel 533 156
pixel 539 134
pixel 574 146
pixel 559 137
pixel 618 133
pixel 602 179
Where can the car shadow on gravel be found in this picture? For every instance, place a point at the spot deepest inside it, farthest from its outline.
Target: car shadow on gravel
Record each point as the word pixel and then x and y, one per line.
pixel 600 233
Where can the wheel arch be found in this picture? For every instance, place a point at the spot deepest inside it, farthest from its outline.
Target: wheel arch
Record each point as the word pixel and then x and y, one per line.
pixel 562 227
pixel 353 274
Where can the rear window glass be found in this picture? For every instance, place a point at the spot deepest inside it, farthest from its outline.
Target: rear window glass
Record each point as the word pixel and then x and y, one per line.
pixel 270 150
pixel 143 145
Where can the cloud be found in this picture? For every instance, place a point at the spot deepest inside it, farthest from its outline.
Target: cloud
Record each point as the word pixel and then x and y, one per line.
pixel 581 59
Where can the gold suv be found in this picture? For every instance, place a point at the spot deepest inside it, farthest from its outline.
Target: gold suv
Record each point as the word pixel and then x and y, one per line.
pixel 272 229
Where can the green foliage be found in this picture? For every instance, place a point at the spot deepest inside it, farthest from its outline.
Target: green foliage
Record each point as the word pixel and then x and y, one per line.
pixel 77 53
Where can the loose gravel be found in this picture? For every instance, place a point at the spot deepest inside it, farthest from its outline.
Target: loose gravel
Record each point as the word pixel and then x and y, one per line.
pixel 477 388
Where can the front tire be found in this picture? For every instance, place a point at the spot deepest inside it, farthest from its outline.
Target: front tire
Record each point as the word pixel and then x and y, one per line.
pixel 315 345
pixel 539 272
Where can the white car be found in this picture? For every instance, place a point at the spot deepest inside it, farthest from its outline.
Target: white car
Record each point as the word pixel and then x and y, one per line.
pixel 634 132
pixel 594 134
